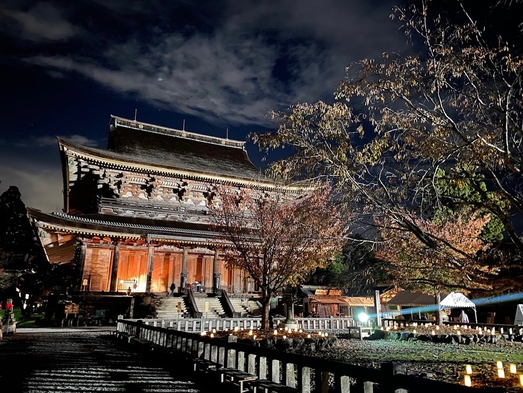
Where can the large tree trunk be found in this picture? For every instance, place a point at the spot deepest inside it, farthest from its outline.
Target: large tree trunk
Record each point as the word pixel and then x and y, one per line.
pixel 266 307
pixel 439 320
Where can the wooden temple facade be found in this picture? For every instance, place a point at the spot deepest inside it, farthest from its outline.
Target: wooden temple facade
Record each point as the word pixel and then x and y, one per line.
pixel 134 214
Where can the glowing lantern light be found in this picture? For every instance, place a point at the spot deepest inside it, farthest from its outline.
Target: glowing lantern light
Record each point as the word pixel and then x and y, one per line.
pixel 468 369
pixel 362 317
pixel 468 381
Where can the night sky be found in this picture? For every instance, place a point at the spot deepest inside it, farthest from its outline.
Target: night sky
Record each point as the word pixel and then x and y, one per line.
pixel 66 66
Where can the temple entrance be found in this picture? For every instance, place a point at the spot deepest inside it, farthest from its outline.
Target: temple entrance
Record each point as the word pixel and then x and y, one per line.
pixel 97 269
pixel 132 270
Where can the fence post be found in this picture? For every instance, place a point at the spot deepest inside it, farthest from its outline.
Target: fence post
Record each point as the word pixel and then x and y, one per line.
pixel 342 384
pixel 262 372
pixel 290 375
pixel 275 370
pixel 304 379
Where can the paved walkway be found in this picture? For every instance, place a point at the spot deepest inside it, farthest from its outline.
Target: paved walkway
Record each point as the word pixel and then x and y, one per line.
pixel 85 360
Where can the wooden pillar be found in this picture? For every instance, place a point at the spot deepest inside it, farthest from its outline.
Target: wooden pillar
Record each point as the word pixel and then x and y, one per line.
pixel 172 267
pixel 150 264
pixel 114 272
pixel 215 273
pixel 82 246
pixel 183 274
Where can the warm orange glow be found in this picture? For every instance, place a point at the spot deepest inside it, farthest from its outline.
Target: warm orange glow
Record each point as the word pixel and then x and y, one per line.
pixel 468 381
pixel 501 373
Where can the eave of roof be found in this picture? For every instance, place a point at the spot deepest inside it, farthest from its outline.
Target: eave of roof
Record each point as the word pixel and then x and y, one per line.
pixel 108 159
pixel 89 226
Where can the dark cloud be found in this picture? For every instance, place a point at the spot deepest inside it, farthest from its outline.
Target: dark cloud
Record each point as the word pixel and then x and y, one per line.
pixel 42 22
pixel 227 63
pixel 262 56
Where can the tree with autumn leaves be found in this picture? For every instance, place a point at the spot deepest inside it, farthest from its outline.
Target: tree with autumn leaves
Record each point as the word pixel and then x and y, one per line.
pixel 277 236
pixel 397 122
pixel 447 260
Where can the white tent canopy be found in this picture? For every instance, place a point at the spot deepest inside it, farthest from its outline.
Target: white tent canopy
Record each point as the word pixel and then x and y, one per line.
pixel 458 300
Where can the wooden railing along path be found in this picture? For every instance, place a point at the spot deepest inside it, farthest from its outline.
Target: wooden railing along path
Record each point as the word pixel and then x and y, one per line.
pixel 256 368
pixel 197 325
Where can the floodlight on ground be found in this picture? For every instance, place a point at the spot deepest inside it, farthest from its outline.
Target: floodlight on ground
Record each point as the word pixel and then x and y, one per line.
pixel 362 317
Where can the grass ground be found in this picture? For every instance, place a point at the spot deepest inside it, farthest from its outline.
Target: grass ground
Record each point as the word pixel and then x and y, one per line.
pixel 444 362
pixel 23 320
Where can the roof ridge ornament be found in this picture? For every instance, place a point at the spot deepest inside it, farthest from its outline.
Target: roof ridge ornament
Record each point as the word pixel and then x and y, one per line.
pixel 122 122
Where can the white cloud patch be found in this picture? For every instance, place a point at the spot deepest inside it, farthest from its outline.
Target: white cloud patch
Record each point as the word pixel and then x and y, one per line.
pixel 42 22
pixel 39 183
pixel 260 58
pixel 45 141
pixel 81 140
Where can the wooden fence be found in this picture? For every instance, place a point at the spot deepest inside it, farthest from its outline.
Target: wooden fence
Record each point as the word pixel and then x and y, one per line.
pixel 282 371
pixel 197 325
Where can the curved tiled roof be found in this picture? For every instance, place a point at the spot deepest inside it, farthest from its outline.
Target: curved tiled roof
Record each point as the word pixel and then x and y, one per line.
pixel 182 232
pixel 165 148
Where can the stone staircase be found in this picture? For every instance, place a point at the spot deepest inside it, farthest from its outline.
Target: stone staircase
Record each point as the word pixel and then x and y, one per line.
pixel 254 307
pixel 240 305
pixel 210 307
pixel 168 308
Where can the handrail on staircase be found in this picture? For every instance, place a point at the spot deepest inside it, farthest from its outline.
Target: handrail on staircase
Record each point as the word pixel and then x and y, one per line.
pixel 227 305
pixel 195 313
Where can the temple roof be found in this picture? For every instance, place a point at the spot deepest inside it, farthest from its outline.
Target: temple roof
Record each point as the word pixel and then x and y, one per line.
pixel 60 232
pixel 103 225
pixel 165 148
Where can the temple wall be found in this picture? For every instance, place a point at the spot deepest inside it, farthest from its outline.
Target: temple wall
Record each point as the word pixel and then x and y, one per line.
pixel 132 268
pixel 97 268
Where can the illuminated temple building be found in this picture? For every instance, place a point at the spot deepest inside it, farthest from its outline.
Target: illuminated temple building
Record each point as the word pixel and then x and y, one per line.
pixel 135 213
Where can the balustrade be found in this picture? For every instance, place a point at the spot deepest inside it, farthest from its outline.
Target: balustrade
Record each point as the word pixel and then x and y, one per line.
pixel 293 372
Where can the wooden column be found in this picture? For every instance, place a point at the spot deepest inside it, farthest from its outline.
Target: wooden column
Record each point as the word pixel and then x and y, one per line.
pixel 215 273
pixel 183 274
pixel 82 247
pixel 114 272
pixel 150 263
